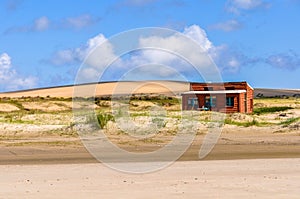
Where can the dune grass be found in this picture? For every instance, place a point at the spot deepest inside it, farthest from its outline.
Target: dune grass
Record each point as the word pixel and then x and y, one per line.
pixel 264 110
pixel 290 121
pixel 244 124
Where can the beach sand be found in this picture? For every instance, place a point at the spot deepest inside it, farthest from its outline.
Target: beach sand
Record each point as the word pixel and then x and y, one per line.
pixel 257 178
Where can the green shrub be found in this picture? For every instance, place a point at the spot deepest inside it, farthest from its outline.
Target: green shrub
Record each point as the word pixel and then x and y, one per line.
pixel 263 110
pixel 101 118
pixel 104 118
pixel 244 124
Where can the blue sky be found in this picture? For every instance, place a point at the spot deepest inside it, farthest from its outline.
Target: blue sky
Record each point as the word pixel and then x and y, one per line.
pixel 42 43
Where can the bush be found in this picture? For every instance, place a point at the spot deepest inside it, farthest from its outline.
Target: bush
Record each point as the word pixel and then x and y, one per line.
pixel 263 110
pixel 244 124
pixel 104 118
pixel 101 118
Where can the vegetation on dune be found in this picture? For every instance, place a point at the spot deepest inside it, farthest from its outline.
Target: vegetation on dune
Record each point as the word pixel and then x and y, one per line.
pixel 140 106
pixel 104 118
pixel 100 118
pixel 264 110
pixel 244 124
pixel 290 121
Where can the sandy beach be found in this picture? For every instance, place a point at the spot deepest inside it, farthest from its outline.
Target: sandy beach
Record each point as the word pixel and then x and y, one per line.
pixel 258 178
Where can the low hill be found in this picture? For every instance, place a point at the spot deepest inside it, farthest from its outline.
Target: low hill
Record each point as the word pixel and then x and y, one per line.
pixel 263 92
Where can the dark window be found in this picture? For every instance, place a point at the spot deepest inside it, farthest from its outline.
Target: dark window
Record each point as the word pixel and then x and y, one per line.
pixel 229 101
pixel 208 88
pixel 210 101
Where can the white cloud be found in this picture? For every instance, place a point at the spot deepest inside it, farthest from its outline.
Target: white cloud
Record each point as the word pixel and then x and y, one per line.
pixel 247 4
pixel 227 26
pixel 63 57
pixel 174 43
pixel 199 35
pixel 44 23
pixel 235 6
pixel 177 44
pixel 77 55
pixel 95 41
pixel 80 21
pixel 106 51
pixel 289 60
pixel 226 60
pixel 136 2
pixel 41 24
pixel 9 77
pixel 5 61
pixel 180 51
pixel 176 51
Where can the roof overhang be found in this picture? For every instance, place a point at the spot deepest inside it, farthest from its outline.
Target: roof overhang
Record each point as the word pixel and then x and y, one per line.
pixel 214 92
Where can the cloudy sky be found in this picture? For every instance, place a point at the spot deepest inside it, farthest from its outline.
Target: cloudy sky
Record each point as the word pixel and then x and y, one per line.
pixel 43 43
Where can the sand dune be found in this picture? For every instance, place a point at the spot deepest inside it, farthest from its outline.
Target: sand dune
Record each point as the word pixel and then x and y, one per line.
pixel 106 88
pixel 276 92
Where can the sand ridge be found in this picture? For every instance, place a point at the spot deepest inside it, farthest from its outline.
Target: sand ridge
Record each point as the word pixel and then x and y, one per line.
pixel 106 88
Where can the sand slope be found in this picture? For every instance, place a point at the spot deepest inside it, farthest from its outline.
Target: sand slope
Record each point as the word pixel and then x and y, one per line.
pixel 107 88
pixel 276 92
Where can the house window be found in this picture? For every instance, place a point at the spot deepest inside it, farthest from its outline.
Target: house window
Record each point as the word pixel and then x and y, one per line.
pixel 229 101
pixel 193 102
pixel 208 88
pixel 210 101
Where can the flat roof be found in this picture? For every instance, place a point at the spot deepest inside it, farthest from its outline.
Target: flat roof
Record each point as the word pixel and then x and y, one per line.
pixel 214 92
pixel 222 83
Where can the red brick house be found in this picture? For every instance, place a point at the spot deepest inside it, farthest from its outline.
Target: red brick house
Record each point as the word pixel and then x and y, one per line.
pixel 228 97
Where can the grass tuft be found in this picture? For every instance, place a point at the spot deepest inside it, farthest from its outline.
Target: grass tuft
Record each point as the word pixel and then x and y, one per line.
pixel 244 124
pixel 264 110
pixel 289 121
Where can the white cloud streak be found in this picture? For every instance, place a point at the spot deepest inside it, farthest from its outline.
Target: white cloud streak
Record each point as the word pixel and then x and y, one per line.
pixel 81 21
pixel 227 26
pixel 236 6
pixel 41 24
pixel 44 23
pixel 289 61
pixel 137 2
